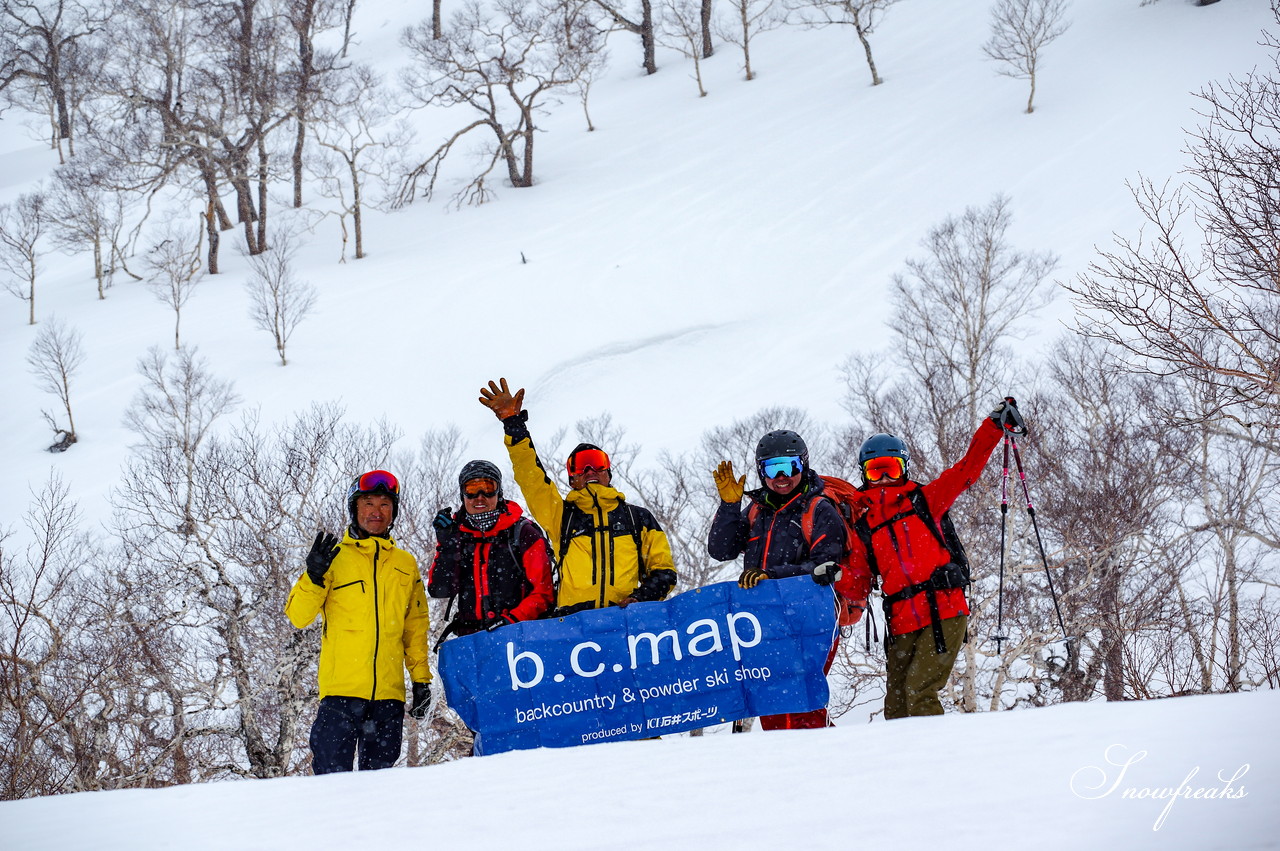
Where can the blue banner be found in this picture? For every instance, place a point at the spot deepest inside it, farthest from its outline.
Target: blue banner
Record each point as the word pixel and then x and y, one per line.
pixel 704 657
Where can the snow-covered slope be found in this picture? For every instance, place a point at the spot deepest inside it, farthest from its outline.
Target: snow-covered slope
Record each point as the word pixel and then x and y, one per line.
pixel 691 261
pixel 1074 776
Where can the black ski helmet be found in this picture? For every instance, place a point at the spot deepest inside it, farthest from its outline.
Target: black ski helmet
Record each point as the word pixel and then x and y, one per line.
pixel 782 442
pixel 479 469
pixel 374 481
pixel 884 446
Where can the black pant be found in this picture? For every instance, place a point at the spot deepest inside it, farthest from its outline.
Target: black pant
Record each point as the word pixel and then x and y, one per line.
pixel 344 724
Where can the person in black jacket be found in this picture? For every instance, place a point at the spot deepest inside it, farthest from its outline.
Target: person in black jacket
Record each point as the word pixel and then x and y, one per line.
pixel 496 561
pixel 787 529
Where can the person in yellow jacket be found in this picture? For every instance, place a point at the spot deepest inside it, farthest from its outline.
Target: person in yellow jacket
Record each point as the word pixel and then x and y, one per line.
pixel 375 625
pixel 611 553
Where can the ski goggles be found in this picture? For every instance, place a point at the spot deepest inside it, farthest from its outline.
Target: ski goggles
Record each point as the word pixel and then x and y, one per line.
pixel 888 467
pixel 783 465
pixel 378 480
pixel 476 489
pixel 588 460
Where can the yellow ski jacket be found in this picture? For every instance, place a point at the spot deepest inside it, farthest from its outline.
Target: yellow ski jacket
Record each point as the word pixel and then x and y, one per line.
pixel 375 620
pixel 608 549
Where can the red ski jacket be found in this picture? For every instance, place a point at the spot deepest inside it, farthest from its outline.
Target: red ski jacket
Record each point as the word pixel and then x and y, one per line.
pixel 906 551
pixel 504 573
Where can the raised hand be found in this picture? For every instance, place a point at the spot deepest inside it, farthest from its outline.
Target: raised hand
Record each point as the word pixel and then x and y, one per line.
pixel 499 399
pixel 1007 417
pixel 323 551
pixel 731 487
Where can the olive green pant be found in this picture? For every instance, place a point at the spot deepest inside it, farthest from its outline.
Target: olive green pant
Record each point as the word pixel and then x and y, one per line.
pixel 917 671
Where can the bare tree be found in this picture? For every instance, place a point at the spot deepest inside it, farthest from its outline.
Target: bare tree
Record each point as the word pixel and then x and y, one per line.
pixel 41 45
pixel 746 19
pixel 680 28
pixel 54 357
pixel 84 213
pixel 51 655
pixel 308 18
pixel 362 142
pixel 175 268
pixel 22 224
pixel 506 63
pixel 1199 293
pixel 1020 30
pixel 279 300
pixel 584 44
pixel 199 88
pixel 863 15
pixel 640 22
pixel 348 10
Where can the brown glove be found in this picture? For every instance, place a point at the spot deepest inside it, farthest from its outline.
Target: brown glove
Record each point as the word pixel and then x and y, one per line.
pixel 730 486
pixel 500 400
pixel 751 577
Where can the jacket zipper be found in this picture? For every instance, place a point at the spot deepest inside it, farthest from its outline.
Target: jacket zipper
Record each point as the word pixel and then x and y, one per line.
pixel 377 626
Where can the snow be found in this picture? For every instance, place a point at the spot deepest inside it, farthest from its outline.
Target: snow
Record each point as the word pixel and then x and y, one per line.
pixel 1037 779
pixel 690 262
pixel 673 249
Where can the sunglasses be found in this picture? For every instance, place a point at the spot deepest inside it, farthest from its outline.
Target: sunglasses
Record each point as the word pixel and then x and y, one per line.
pixel 378 480
pixel 480 494
pixel 783 465
pixel 889 467
pixel 588 460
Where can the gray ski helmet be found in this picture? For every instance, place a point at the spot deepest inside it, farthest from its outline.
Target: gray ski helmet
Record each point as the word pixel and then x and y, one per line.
pixel 374 481
pixel 782 442
pixel 884 446
pixel 479 469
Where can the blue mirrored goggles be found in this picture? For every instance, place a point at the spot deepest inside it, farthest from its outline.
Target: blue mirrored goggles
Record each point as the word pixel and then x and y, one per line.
pixel 783 465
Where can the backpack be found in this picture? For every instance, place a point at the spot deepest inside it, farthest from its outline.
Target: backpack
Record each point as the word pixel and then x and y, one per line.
pixel 954 574
pixel 847 498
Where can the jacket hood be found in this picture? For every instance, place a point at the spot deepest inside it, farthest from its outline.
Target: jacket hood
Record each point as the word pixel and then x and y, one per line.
pixel 593 495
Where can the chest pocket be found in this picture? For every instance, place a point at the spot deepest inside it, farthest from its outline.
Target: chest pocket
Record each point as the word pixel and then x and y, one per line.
pixel 346 605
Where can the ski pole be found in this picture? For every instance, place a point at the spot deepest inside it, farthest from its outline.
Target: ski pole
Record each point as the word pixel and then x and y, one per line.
pixel 1000 635
pixel 1031 512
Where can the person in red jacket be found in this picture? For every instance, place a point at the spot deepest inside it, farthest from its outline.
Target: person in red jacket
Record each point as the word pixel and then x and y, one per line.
pixel 904 539
pixel 496 561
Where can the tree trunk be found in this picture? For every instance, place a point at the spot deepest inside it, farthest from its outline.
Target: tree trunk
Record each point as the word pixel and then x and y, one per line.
pixel 211 228
pixel 437 31
pixel 355 208
pixel 263 175
pixel 647 39
pixel 871 63
pixel 707 47
pixel 1113 636
pixel 97 265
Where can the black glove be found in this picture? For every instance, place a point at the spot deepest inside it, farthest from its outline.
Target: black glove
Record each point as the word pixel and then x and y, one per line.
pixel 1007 417
pixel 421 700
pixel 443 521
pixel 751 577
pixel 323 551
pixel 827 573
pixel 495 622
